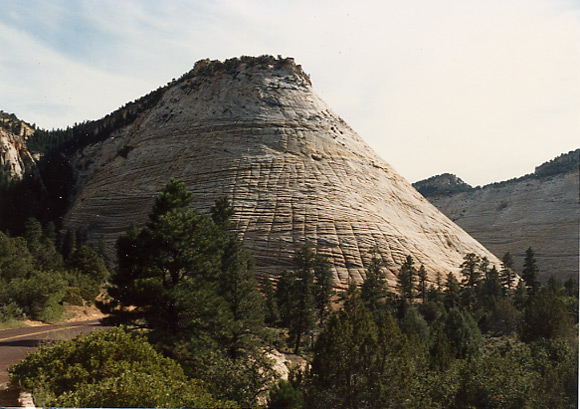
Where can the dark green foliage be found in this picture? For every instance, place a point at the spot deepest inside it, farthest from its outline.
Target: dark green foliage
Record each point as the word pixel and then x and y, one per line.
pixel 301 303
pixel 304 292
pixel 374 286
pixel 565 163
pixel 504 318
pixel 35 281
pixel 15 258
pixel 452 291
pixel 470 270
pixel 284 297
pixel 87 271
pixel 507 274
pixel 110 369
pixel 359 363
pixel 462 333
pixel 221 212
pixel 285 396
pixel 38 295
pixel 545 316
pixel 530 272
pixel 239 289
pixel 520 295
pixel 406 280
pixel 192 284
pixel 492 288
pixel 414 326
pixel 323 289
pixel 240 380
pixel 443 184
pixel 69 244
pixel 422 282
pixel 512 376
pixel 272 316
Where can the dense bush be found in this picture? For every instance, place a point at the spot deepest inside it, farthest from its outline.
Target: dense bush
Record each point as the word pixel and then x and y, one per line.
pixel 35 281
pixel 110 369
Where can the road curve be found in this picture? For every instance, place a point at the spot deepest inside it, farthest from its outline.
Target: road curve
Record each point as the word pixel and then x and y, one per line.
pixel 16 343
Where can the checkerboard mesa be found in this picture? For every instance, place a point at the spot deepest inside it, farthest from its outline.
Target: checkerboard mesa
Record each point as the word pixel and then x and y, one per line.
pixel 253 129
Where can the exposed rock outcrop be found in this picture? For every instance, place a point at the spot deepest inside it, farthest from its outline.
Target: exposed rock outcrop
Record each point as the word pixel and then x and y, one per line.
pixel 15 160
pixel 540 210
pixel 296 173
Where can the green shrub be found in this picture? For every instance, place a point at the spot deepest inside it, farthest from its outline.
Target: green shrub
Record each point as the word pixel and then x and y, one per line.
pixel 72 295
pixel 137 389
pixel 38 295
pixel 80 371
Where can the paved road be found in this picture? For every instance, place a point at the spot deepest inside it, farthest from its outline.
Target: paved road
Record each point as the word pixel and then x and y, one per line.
pixel 15 344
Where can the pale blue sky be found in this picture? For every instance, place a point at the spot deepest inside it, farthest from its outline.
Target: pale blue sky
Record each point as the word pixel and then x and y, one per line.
pixel 483 89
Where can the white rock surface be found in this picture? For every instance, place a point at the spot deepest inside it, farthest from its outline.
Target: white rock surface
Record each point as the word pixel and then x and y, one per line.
pixel 14 156
pixel 295 172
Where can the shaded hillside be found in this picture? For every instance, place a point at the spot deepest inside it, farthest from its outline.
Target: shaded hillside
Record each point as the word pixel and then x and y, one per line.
pixel 540 210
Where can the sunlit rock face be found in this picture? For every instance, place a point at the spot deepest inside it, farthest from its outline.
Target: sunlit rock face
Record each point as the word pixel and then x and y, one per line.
pixel 255 131
pixel 15 160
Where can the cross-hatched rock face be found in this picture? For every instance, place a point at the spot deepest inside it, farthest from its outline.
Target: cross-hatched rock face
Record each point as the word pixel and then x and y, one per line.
pixel 540 213
pixel 295 172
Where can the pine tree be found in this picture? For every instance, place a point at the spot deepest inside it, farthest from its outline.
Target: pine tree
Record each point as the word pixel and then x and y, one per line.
pixel 530 272
pixel 69 244
pixel 470 268
pixel 406 280
pixel 452 291
pixel 359 363
pixel 33 234
pixel 221 212
pixel 492 288
pixel 422 282
pixel 284 297
pixel 238 286
pixel 374 286
pixel 323 289
pixel 192 285
pixel 271 306
pixel 507 274
pixel 301 311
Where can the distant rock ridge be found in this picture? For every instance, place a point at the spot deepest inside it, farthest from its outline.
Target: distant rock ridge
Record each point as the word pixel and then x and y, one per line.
pixel 539 210
pixel 443 184
pixel 448 183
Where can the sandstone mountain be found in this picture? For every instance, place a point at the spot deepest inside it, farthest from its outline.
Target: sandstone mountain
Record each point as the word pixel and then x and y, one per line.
pixel 15 160
pixel 540 210
pixel 254 130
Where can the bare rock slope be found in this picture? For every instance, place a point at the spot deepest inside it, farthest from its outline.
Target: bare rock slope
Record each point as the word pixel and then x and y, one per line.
pixel 542 213
pixel 296 173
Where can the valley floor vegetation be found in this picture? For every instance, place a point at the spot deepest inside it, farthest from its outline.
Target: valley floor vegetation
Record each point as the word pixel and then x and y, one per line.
pixel 39 274
pixel 196 328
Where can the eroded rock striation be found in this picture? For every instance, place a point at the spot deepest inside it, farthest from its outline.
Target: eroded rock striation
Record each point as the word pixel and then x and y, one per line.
pixel 255 131
pixel 540 210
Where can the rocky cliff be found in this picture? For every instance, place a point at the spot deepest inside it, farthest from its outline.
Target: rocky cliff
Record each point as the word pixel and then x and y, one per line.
pixel 15 160
pixel 540 210
pixel 254 130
